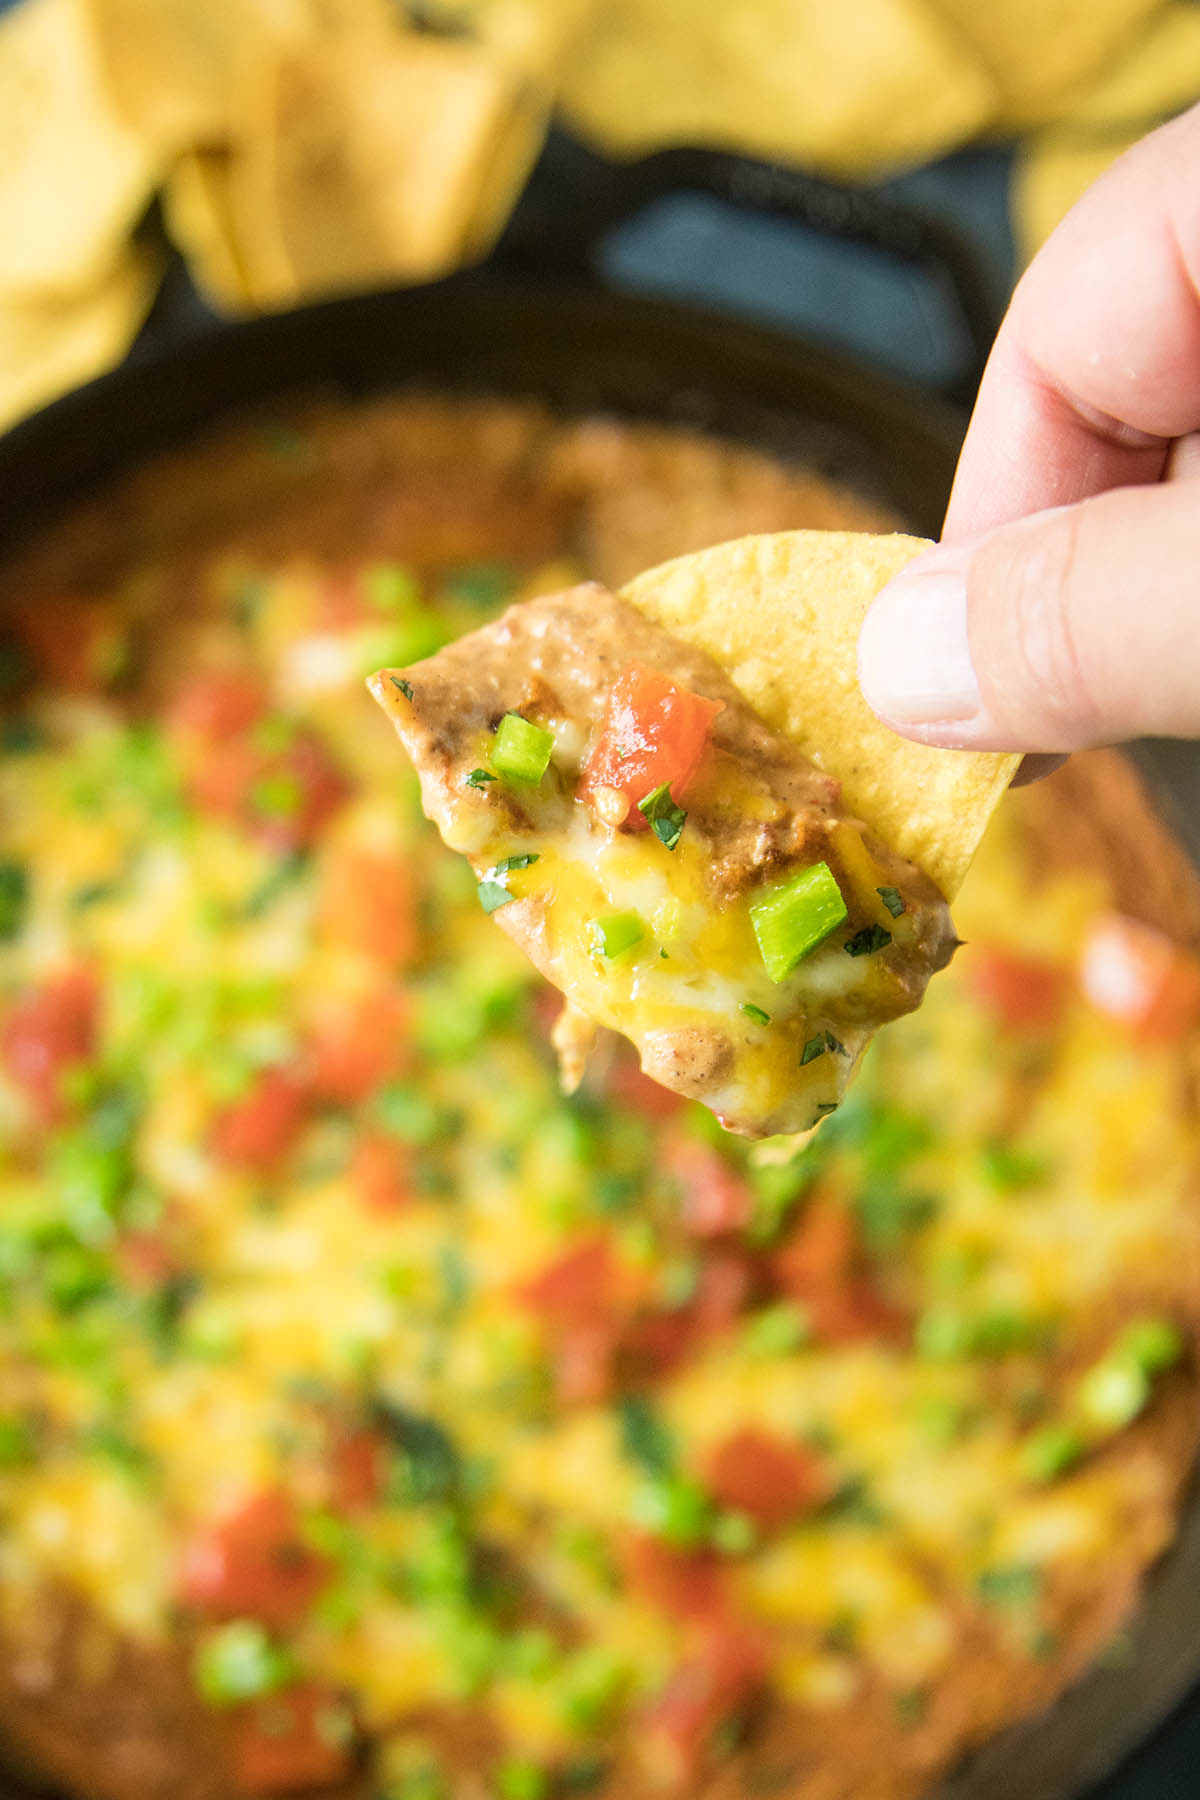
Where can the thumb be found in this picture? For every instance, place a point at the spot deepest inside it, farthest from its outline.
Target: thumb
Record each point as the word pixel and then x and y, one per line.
pixel 1072 627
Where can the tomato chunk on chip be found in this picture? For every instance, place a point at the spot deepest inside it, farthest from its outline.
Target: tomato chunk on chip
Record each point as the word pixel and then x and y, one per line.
pixel 653 734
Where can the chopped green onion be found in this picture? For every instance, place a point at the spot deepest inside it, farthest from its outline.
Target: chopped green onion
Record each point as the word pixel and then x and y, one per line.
pixel 793 917
pixel 733 1533
pixel 1050 1452
pixel 776 1330
pixel 522 751
pixel 1152 1345
pixel 616 934
pixel 1112 1394
pixel 667 818
pixel 14 895
pixel 756 1013
pixel 478 777
pixel 405 687
pixel 892 900
pixel 522 1781
pixel 675 1509
pixel 240 1662
pixel 867 941
pixel 813 1048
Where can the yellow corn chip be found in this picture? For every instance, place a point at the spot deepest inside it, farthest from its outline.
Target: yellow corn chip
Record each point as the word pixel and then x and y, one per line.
pixel 385 162
pixel 229 236
pixel 847 88
pixel 781 613
pixel 73 178
pixel 1040 53
pixel 46 348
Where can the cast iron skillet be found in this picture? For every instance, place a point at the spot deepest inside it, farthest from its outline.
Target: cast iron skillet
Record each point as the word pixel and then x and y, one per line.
pixel 535 322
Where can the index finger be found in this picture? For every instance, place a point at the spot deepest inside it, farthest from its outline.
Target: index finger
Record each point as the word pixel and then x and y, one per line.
pixel 1096 367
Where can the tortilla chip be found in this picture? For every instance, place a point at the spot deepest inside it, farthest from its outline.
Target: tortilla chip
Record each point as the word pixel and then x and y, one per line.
pixel 849 89
pixel 73 178
pixel 229 236
pixel 781 613
pixel 1040 53
pixel 179 70
pixel 47 348
pixel 380 162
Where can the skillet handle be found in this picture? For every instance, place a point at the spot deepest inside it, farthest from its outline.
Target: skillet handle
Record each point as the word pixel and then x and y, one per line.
pixel 575 198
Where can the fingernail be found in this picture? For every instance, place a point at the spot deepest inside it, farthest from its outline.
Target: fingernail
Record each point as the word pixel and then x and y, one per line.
pixel 914 660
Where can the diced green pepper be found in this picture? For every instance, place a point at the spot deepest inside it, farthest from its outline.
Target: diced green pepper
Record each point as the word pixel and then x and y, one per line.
pixel 1050 1452
pixel 240 1662
pixel 616 934
pixel 521 750
pixel 793 917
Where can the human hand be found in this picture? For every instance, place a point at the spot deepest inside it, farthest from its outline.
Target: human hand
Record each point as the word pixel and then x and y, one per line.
pixel 1062 608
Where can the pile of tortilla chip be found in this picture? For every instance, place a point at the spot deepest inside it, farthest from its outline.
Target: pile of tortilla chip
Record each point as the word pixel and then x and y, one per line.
pixel 305 147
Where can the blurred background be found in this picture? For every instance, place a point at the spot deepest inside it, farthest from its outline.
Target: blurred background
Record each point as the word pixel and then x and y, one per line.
pixel 285 150
pixel 168 163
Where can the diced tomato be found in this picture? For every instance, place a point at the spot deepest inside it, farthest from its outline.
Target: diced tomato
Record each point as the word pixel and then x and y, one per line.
pixel 358 1472
pixel 296 1740
pixel 355 1051
pixel 1024 993
pixel 295 794
pixel 765 1477
pixel 283 794
pixel 342 602
pixel 685 1584
pixel 704 1693
pixel 584 1360
pixel 381 1173
pixel 258 1131
pixel 253 1564
pixel 728 1280
pixel 1136 975
pixel 369 904
pixel 653 732
pixel 821 1265
pixel 585 1281
pixel 217 704
pixel 715 1199
pixel 76 643
pixel 629 1086
pixel 144 1260
pixel 49 1030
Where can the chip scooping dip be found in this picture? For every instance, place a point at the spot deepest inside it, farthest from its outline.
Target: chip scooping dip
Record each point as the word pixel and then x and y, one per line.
pixel 678 804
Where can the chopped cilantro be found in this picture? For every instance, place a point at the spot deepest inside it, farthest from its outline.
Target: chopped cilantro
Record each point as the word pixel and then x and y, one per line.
pixel 286 872
pixel 278 796
pixel 16 1441
pixel 390 588
pixel 405 687
pixel 645 1438
pixel 667 818
pixel 478 777
pixel 674 1508
pixel 493 895
pixel 425 1464
pixel 525 861
pixel 824 1110
pixel 1050 1452
pixel 756 1013
pixel 892 900
pixel 815 1047
pixel 521 1780
pixel 867 941
pixel 835 1044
